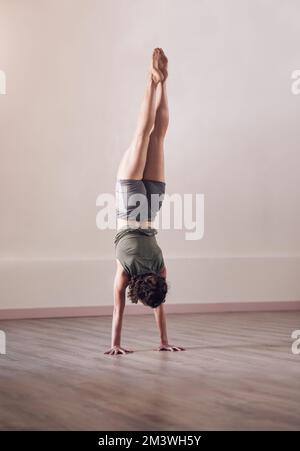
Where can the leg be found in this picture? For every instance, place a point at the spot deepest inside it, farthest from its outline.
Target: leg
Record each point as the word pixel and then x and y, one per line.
pixel 133 162
pixel 154 167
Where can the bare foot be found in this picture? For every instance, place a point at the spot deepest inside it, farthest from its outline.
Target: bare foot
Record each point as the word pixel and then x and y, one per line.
pixel 163 64
pixel 155 72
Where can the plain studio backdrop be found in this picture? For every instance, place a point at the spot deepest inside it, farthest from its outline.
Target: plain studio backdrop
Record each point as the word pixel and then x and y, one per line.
pixel 75 76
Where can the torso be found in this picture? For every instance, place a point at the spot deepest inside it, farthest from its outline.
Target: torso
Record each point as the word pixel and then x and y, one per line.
pixel 138 251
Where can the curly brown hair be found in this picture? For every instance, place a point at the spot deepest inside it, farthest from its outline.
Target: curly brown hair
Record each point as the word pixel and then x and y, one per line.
pixel 149 288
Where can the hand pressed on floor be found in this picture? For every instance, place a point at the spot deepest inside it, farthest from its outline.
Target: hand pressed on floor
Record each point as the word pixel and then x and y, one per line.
pixel 117 350
pixel 168 347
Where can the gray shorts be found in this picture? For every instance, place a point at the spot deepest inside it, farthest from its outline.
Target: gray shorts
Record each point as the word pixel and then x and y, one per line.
pixel 139 200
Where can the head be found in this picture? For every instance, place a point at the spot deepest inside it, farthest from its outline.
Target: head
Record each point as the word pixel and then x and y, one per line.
pixel 149 288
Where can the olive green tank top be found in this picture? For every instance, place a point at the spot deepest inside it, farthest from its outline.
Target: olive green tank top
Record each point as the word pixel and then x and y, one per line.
pixel 138 251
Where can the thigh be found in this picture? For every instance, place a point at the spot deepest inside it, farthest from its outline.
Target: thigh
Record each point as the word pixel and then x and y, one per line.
pixel 155 164
pixel 133 162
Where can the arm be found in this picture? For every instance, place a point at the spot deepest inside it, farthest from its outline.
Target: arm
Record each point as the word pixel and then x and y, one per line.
pixel 160 318
pixel 120 284
pixel 161 322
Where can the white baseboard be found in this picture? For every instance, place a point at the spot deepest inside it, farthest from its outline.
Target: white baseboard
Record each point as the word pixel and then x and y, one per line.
pixel 106 310
pixel 87 284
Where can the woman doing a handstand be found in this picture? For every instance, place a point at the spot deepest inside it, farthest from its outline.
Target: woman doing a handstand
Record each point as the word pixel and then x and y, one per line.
pixel 140 188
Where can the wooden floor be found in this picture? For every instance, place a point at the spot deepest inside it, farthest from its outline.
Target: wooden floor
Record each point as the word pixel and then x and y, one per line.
pixel 238 372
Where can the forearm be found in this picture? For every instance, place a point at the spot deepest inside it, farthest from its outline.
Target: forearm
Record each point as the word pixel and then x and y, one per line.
pixel 117 326
pixel 161 324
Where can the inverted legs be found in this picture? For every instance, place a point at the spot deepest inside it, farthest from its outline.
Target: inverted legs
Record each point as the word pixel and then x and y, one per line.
pixel 133 162
pixel 154 167
pixel 144 158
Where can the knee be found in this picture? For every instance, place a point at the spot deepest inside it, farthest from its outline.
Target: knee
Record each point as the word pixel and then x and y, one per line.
pixel 145 131
pixel 158 134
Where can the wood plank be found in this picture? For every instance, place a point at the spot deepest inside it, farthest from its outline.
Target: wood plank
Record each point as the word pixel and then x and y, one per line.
pixel 238 372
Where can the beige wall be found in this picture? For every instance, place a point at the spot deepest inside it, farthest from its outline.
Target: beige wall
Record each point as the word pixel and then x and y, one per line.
pixel 75 74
